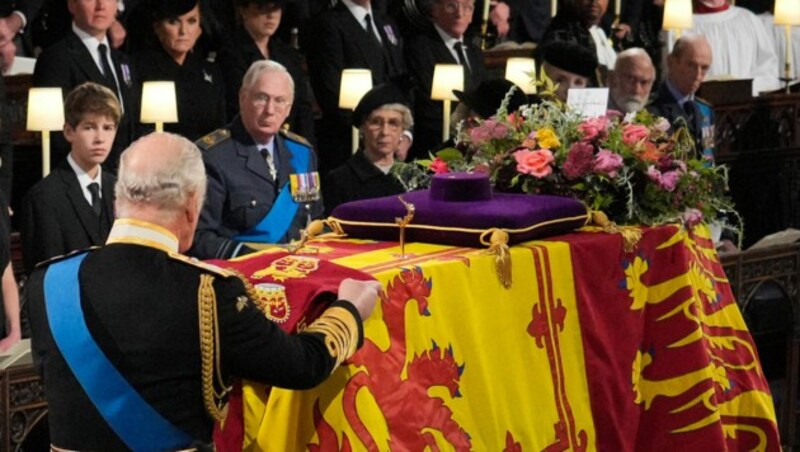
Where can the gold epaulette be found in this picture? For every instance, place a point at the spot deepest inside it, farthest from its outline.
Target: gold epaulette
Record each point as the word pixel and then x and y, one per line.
pixel 212 139
pixel 210 268
pixel 295 137
pixel 47 262
pixel 213 384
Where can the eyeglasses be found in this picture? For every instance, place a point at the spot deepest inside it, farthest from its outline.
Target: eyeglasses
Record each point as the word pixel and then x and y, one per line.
pixel 261 100
pixel 454 7
pixel 378 124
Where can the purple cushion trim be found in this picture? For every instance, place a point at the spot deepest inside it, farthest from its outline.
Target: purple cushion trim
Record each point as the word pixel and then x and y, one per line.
pixel 525 217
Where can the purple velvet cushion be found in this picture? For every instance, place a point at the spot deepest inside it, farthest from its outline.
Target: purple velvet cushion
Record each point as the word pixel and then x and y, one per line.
pixel 461 223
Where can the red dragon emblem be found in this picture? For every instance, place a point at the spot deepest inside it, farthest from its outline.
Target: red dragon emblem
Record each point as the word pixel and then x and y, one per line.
pixel 409 411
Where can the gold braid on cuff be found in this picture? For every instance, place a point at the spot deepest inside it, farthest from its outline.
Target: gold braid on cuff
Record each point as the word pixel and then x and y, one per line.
pixel 209 350
pixel 340 329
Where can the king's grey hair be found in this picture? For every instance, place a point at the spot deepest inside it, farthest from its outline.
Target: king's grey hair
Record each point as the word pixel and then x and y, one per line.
pixel 168 183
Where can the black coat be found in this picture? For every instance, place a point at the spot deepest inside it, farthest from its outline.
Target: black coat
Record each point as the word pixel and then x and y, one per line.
pixel 67 64
pixel 234 60
pixel 423 52
pixel 666 105
pixel 240 192
pixel 340 42
pixel 141 308
pixel 57 218
pixel 357 179
pixel 199 90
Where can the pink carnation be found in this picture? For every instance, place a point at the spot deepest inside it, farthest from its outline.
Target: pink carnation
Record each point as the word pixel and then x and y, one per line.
pixel 634 133
pixel 607 162
pixel 536 163
pixel 692 217
pixel 579 160
pixel 669 180
pixel 594 128
pixel 439 166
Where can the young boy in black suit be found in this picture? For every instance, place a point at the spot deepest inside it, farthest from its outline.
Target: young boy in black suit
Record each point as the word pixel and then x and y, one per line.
pixel 72 208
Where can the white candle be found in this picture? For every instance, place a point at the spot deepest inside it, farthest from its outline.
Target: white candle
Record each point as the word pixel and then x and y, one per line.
pixel 486 4
pixel 617 7
pixel 553 7
pixel 789 69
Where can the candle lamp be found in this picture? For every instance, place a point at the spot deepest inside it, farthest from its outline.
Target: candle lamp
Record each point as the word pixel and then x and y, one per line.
pixel 677 16
pixel 159 104
pixel 787 13
pixel 354 84
pixel 446 78
pixel 522 72
pixel 45 113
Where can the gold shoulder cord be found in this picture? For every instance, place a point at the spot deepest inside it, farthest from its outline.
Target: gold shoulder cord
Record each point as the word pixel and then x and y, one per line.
pixel 340 330
pixel 209 350
pixel 251 293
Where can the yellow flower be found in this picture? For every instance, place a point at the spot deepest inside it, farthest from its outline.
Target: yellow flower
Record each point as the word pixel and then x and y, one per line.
pixel 547 138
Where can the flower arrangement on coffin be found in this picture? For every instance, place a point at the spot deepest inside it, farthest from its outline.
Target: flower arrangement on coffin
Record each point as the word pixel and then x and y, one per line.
pixel 629 167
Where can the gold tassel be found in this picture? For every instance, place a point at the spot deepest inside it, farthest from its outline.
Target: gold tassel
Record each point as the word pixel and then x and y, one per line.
pixel 498 246
pixel 209 350
pixel 630 234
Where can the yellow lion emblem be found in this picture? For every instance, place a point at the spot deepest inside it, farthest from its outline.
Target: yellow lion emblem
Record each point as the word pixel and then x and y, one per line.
pixel 289 267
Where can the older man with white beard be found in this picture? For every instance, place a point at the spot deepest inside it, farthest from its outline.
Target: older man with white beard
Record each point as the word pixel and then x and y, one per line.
pixel 631 80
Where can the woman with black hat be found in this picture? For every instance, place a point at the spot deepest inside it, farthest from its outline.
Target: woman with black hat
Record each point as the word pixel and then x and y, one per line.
pixel 199 86
pixel 381 116
pixel 255 39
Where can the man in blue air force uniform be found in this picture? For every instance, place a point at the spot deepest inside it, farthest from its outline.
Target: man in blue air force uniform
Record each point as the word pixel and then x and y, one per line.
pixel 137 343
pixel 248 164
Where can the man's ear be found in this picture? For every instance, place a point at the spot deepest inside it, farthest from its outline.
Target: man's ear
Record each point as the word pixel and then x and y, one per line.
pixel 69 133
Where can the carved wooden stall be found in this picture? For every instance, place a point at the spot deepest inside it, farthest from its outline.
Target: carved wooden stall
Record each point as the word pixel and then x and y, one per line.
pixel 758 140
pixel 766 284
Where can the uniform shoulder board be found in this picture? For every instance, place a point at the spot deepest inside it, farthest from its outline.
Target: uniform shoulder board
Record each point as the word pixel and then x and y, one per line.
pixel 210 268
pixel 213 138
pixel 55 259
pixel 295 137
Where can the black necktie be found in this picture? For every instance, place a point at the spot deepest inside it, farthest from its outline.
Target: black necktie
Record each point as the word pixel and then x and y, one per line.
pixel 691 116
pixel 94 189
pixel 462 59
pixel 371 30
pixel 107 71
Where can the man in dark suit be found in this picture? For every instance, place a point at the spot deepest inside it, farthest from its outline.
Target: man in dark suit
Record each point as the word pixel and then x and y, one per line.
pixel 351 35
pixel 138 344
pixel 72 208
pixel 675 100
pixel 85 54
pixel 249 166
pixel 444 42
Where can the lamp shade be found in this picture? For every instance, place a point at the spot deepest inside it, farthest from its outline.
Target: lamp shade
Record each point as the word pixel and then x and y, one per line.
pixel 158 102
pixel 522 72
pixel 787 12
pixel 677 14
pixel 446 78
pixel 355 83
pixel 45 109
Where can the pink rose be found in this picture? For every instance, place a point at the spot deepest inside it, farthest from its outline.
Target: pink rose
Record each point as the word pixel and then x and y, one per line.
pixel 439 166
pixel 608 163
pixel 661 124
pixel 594 128
pixel 536 163
pixel 634 133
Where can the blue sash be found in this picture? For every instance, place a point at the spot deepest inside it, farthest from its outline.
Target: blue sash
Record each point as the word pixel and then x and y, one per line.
pixel 706 132
pixel 278 220
pixel 136 423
